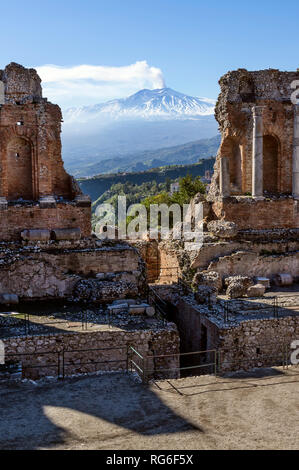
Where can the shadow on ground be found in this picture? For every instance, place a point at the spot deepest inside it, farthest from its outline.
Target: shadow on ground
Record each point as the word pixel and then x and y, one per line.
pixel 49 414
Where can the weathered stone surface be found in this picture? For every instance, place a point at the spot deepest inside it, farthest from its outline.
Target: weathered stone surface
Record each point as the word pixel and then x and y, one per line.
pixel 36 235
pixel 265 281
pixel 46 270
pixel 205 294
pixel 237 286
pixel 156 341
pixel 207 278
pixel 8 299
pixel 223 228
pixel 101 291
pixel 257 290
pixel 66 233
pixel 150 311
pixel 258 124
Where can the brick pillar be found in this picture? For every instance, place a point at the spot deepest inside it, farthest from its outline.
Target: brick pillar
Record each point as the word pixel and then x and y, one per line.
pixel 296 153
pixel 257 153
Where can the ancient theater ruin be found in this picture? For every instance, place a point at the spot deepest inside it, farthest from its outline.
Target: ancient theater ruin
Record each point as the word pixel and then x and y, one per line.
pixel 245 299
pixel 73 303
pixel 62 290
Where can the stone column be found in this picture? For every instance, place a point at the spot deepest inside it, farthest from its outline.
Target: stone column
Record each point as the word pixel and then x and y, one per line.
pixel 296 153
pixel 224 178
pixel 257 153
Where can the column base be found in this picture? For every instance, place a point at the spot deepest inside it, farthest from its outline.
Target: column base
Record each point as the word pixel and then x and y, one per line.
pixel 258 198
pixel 3 203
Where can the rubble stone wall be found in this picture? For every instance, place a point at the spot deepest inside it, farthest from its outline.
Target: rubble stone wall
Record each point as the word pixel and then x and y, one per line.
pixel 79 360
pixel 35 273
pixel 256 343
pixel 252 264
pixel 211 251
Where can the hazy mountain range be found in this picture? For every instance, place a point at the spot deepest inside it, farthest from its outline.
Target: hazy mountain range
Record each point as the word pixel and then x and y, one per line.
pixel 121 129
pixel 188 153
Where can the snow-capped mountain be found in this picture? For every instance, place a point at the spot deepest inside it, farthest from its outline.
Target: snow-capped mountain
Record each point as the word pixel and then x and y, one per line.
pixel 163 103
pixel 147 120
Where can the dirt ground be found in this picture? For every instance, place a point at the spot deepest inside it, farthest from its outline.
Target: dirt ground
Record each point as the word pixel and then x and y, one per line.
pixel 111 411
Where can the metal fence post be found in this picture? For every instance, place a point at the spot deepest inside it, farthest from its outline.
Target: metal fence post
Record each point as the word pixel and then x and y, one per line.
pixel 127 361
pixel 63 364
pixel 58 364
pixel 219 360
pixel 215 362
pixel 144 365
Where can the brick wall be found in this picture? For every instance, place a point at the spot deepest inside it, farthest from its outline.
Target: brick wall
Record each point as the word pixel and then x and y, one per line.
pixel 18 217
pixel 265 214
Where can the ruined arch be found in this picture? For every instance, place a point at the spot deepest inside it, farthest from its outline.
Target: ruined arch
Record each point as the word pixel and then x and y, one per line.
pixel 232 149
pixel 270 163
pixel 19 169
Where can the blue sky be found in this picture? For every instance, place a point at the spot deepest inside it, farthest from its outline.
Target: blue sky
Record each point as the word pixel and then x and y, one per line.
pixel 187 43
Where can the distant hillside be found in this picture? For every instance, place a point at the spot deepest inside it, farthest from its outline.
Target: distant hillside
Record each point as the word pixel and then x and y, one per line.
pixel 97 185
pixel 190 152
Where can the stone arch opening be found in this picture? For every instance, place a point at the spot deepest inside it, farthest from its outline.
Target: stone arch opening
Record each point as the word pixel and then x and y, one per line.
pixel 233 150
pixel 270 163
pixel 19 169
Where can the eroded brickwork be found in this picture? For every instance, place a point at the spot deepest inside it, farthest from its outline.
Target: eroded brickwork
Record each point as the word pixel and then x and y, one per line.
pixel 257 121
pixel 31 167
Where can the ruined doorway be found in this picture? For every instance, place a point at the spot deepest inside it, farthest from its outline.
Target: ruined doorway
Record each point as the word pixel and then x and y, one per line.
pixel 270 164
pixel 232 149
pixel 19 169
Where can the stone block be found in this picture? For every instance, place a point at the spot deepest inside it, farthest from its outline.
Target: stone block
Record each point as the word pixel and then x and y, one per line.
pixel 150 311
pixel 237 286
pixel 256 290
pixel 8 299
pixel 66 233
pixel 136 309
pixel 206 294
pixel 223 228
pixel 265 281
pixel 36 235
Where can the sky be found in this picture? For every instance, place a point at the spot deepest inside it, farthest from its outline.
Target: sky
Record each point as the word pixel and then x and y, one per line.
pixel 90 51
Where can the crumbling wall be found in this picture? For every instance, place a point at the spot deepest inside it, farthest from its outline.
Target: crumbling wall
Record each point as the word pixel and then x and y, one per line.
pixel 79 360
pixel 52 271
pixel 256 343
pixel 252 264
pixel 246 98
pixel 240 90
pixel 31 167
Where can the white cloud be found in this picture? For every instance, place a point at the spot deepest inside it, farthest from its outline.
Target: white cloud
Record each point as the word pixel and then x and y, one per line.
pixel 91 84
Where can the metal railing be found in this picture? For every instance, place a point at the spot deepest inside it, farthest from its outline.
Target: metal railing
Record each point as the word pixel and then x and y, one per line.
pixel 215 361
pixel 57 364
pixel 211 361
pixel 229 311
pixel 28 321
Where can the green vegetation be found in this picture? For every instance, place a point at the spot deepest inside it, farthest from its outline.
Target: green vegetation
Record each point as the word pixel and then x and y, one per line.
pixel 98 185
pixel 150 193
